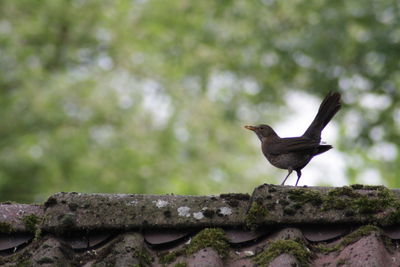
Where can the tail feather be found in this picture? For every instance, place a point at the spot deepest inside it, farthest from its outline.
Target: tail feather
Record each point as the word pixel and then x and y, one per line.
pixel 321 149
pixel 328 108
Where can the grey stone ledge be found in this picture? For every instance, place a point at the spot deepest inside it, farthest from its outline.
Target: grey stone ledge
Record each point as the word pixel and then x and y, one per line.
pixel 269 206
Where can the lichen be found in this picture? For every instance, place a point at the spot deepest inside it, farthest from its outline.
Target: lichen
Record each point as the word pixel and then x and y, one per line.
pixel 298 250
pixel 5 228
pixel 209 237
pixel 256 213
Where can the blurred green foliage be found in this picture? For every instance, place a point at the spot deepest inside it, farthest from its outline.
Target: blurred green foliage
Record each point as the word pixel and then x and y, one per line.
pixel 150 96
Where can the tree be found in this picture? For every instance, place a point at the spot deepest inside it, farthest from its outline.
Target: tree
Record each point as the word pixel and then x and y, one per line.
pixel 150 96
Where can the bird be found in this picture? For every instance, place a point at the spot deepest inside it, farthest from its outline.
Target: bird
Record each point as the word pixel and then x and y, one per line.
pixel 294 153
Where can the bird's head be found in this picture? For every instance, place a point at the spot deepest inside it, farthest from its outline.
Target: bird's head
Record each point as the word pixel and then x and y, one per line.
pixel 263 131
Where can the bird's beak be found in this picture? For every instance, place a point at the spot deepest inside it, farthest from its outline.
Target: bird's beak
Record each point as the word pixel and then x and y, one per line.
pixel 252 128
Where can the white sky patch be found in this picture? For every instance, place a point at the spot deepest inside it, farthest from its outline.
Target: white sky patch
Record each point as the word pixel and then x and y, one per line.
pixel 156 102
pixel 353 120
pixel 383 151
pixel 160 203
pixel 184 211
pixel 220 85
pixel 370 176
pixel 375 101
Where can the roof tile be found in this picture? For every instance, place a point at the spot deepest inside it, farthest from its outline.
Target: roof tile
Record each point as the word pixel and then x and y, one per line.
pixel 282 223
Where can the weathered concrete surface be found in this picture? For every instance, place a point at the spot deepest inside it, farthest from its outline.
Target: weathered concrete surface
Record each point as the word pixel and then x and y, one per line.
pixel 269 206
pixel 73 229
pixel 356 204
pixel 18 217
pixel 69 211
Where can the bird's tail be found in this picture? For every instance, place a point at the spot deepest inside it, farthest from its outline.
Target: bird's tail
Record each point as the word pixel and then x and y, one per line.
pixel 327 110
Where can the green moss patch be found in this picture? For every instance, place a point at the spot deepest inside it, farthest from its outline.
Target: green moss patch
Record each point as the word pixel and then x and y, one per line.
pixel 303 196
pixel 341 262
pixel 143 256
pixel 298 250
pixel 170 257
pixel 209 237
pixel 348 199
pixel 256 213
pixel 360 232
pixel 31 221
pixel 352 238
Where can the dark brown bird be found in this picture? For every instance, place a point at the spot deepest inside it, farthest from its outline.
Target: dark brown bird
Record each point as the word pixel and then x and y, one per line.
pixel 294 153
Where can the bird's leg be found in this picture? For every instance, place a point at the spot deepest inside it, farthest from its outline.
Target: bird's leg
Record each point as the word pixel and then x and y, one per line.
pixel 290 171
pixel 298 176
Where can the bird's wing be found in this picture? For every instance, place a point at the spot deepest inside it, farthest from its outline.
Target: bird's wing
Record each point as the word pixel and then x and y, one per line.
pixel 295 144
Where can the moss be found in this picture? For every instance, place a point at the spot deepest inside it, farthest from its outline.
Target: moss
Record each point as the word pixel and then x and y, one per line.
pixel 303 196
pixel 5 228
pixel 325 249
pixel 343 191
pixel 351 238
pixel 357 186
pixel 298 250
pixel 360 232
pixel 9 202
pixel 348 199
pixel 144 257
pixel 169 257
pixel 45 260
pixel 209 237
pixel 341 262
pixel 24 263
pixel 366 205
pixel 256 213
pixel 31 221
pixel 289 210
pixel 67 222
pixel 284 202
pixel 180 264
pixel 367 187
pixel 393 217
